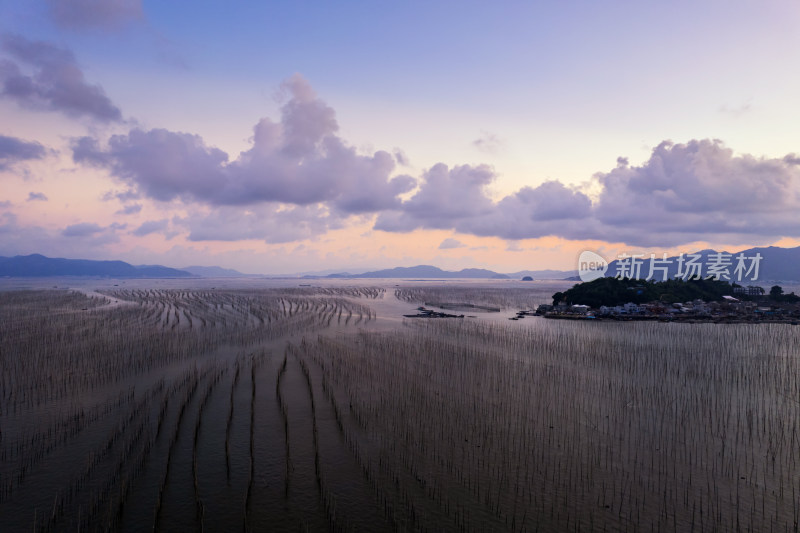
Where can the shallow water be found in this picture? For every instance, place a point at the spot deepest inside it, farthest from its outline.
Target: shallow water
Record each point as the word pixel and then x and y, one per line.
pixel 252 404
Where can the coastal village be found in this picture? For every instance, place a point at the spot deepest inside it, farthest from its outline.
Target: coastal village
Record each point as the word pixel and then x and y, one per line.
pixel 750 304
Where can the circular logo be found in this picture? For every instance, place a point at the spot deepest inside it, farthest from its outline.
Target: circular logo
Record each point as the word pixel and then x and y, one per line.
pixel 591 266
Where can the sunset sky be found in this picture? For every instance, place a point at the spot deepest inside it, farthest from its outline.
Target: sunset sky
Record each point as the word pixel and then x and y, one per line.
pixel 282 137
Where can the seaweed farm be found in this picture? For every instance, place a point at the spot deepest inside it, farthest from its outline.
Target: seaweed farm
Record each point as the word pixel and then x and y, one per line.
pixel 322 409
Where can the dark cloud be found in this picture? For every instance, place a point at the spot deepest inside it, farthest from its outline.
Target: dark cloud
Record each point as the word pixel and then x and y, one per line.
pixel 450 243
pixel 791 159
pixel 83 229
pixel 131 209
pixel 56 83
pixel 90 14
pixel 300 160
pixel 13 150
pixel 36 196
pixel 122 196
pixel 151 226
pixel 88 236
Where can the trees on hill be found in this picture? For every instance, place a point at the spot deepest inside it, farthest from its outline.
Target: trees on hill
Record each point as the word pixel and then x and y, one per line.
pixel 613 291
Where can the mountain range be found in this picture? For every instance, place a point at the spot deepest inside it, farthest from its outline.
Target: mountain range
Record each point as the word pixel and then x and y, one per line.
pixel 39 266
pixel 776 264
pixel 424 271
pixel 215 272
pixel 432 272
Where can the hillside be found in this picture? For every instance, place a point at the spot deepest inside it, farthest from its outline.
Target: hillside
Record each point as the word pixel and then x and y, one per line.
pixel 612 291
pixel 426 271
pixel 214 272
pixel 38 266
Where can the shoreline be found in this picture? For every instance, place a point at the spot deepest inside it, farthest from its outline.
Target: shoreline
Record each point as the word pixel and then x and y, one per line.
pixel 686 320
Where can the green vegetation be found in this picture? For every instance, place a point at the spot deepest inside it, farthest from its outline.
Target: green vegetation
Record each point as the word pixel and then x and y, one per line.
pixel 776 294
pixel 613 291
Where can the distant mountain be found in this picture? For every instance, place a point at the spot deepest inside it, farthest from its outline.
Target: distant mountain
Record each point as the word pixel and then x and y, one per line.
pixel 37 266
pixel 432 272
pixel 337 275
pixel 214 272
pixel 328 272
pixel 424 272
pixel 777 264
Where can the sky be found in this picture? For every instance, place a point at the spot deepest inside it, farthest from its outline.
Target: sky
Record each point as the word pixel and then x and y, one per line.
pixel 285 137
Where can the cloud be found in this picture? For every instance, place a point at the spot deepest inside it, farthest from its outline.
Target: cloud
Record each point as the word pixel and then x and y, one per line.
pixel 299 160
pixel 13 150
pixel 16 238
pixel 698 190
pixel 684 193
pixel 56 83
pixel 83 229
pixel 457 199
pixel 551 208
pixel 300 179
pixel 489 143
pixel 34 196
pixel 122 196
pixel 162 164
pixel 401 157
pixel 451 243
pixel 151 226
pixel 737 111
pixel 270 223
pixel 90 14
pixel 131 209
pixel 445 197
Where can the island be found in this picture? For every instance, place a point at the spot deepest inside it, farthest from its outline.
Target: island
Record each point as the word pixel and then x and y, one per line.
pixel 700 300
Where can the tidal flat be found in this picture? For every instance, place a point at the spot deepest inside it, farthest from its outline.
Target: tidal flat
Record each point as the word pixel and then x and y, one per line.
pixel 262 405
